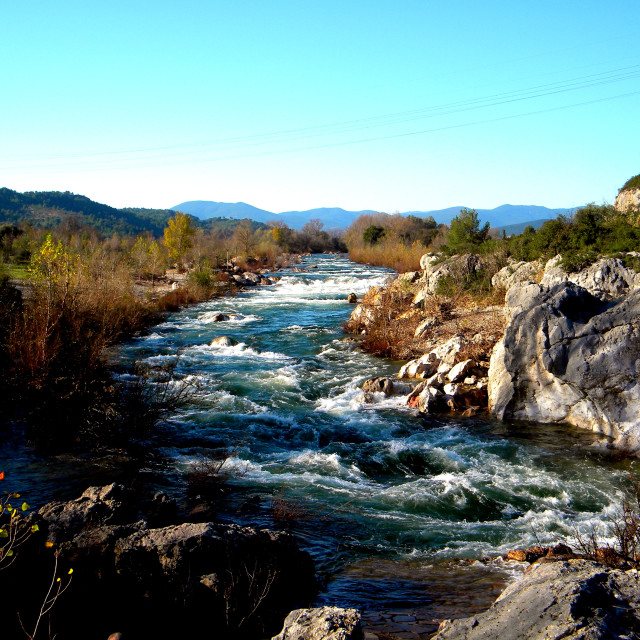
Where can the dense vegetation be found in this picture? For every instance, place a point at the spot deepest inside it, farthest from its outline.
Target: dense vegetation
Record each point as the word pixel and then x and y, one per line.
pixel 393 241
pixel 631 183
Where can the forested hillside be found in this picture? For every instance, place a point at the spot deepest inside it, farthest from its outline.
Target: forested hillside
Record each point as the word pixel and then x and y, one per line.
pixel 50 209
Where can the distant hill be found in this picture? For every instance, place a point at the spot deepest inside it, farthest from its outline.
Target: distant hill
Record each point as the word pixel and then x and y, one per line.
pixel 506 214
pixel 52 208
pixel 517 229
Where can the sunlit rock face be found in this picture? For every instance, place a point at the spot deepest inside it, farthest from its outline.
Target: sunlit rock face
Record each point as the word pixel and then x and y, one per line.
pixel 569 356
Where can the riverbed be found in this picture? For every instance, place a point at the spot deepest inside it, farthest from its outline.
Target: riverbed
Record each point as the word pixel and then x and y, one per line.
pixel 406 515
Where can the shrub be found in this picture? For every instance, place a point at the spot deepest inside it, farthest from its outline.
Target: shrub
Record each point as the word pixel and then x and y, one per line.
pixel 631 183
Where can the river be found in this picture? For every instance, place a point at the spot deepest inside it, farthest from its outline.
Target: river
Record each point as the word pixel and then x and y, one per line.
pixel 405 515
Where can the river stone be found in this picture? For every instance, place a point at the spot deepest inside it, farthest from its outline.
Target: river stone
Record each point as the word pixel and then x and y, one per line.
pixel 251 277
pixel 223 341
pixel 352 298
pixel 220 317
pixel 439 360
pixel 458 371
pixel 241 280
pixel 574 600
pixel 387 386
pixel 426 399
pixel 569 357
pixel 324 623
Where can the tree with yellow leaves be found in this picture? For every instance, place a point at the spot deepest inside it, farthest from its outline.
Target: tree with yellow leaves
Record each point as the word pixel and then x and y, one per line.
pixel 178 237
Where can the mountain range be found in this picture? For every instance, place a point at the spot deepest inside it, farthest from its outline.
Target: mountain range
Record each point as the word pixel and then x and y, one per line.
pixel 337 218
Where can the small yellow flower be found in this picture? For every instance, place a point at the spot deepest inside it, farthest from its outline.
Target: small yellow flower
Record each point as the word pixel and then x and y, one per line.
pixel 48 544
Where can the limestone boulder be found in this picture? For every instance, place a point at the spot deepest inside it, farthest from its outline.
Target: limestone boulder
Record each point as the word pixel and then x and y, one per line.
pixel 575 600
pixel 323 623
pixel 568 356
pixel 436 269
pixel 458 371
pixel 607 279
pixel 170 580
pixel 517 272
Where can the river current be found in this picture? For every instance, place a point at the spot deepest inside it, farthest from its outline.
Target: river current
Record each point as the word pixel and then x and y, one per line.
pixel 405 515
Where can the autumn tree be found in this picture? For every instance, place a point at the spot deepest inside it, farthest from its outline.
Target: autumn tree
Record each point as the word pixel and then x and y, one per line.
pixel 178 237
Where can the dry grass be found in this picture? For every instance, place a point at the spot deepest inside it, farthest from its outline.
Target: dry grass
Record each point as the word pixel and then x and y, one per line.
pixel 391 331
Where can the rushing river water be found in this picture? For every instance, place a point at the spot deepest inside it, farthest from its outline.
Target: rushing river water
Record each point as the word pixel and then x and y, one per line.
pixel 396 508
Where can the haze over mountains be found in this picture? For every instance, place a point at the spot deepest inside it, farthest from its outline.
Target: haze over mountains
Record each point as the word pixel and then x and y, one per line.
pixel 337 218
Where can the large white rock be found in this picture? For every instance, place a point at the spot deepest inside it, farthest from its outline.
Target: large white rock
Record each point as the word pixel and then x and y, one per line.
pixel 567 356
pixel 607 278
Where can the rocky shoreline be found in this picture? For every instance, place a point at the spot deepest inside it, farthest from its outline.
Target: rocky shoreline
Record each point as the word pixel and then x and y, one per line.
pixel 563 348
pixel 138 572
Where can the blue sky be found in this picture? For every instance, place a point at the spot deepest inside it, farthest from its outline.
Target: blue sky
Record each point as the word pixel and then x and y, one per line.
pixel 392 106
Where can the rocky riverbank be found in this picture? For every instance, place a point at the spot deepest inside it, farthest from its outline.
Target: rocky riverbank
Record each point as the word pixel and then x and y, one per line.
pixel 563 347
pixel 141 571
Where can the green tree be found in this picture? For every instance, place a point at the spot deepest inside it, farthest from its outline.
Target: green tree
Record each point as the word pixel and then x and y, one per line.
pixel 465 233
pixel 178 237
pixel 372 234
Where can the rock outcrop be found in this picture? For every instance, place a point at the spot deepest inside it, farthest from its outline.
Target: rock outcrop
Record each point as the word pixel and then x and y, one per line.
pixel 577 599
pixel 568 356
pixel 171 580
pixel 323 623
pixel 627 199
pixel 607 279
pixel 435 269
pixel 517 272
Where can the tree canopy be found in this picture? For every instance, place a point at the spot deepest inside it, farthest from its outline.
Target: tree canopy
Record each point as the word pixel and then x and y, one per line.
pixel 465 232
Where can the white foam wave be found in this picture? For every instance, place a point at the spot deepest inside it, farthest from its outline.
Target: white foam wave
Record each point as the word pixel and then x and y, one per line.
pixel 209 317
pixel 330 463
pixel 240 350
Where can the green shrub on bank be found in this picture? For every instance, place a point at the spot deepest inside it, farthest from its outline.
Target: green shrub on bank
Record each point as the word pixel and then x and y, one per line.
pixel 631 183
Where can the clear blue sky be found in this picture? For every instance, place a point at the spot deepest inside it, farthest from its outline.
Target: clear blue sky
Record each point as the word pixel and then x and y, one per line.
pixel 406 105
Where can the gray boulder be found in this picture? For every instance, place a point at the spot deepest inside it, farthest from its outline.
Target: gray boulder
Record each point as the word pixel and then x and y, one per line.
pixel 573 600
pixel 435 269
pixel 172 580
pixel 515 273
pixel 567 356
pixel 324 623
pixel 387 386
pixel 607 279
